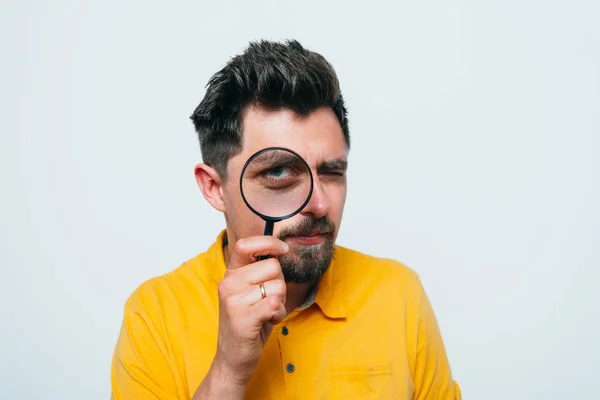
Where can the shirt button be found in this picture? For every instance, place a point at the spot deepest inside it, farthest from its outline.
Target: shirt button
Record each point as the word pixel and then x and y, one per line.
pixel 290 368
pixel 284 331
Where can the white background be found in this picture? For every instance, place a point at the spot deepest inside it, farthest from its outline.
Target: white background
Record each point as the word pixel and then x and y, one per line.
pixel 475 128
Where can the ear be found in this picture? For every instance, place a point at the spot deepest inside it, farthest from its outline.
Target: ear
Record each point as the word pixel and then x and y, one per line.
pixel 209 182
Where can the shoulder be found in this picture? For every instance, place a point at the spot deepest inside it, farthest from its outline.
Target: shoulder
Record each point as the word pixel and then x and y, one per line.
pixel 363 264
pixel 366 274
pixel 189 280
pixel 379 282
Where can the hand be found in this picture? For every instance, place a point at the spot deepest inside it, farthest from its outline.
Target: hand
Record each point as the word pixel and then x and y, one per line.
pixel 245 318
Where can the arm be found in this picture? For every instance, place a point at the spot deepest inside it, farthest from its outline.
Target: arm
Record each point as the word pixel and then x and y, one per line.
pixel 143 364
pixel 140 367
pixel 432 375
pixel 141 370
pixel 217 385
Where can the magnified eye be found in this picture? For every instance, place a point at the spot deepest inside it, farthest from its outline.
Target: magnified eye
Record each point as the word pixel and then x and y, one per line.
pixel 280 177
pixel 276 183
pixel 278 172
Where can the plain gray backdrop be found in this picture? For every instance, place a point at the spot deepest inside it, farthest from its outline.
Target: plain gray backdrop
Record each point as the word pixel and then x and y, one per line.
pixel 475 129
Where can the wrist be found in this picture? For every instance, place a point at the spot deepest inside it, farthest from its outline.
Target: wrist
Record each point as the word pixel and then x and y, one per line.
pixel 221 382
pixel 226 372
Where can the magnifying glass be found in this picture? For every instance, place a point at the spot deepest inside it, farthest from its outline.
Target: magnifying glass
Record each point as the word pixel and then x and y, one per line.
pixel 276 184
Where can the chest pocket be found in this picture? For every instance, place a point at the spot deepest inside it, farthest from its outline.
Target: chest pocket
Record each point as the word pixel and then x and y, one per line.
pixel 368 382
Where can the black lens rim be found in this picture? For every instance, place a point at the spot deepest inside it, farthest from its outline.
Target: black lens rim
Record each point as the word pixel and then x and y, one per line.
pixel 268 217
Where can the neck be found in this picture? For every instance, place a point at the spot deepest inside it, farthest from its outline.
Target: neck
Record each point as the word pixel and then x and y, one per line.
pixel 297 293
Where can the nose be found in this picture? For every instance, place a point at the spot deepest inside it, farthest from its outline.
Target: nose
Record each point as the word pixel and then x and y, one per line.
pixel 319 203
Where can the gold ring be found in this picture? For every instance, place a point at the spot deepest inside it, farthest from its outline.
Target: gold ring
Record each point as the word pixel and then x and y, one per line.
pixel 263 291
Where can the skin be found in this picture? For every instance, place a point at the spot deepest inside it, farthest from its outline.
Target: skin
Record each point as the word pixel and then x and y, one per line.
pixel 245 319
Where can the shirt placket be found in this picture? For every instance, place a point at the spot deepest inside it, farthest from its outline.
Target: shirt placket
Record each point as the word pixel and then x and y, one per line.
pixel 290 360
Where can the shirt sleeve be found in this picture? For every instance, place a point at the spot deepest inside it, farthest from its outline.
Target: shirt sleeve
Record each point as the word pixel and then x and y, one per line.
pixel 140 366
pixel 432 375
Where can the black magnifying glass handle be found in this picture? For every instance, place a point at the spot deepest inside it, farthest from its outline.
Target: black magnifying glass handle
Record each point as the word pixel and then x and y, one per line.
pixel 268 231
pixel 275 183
pixel 269 228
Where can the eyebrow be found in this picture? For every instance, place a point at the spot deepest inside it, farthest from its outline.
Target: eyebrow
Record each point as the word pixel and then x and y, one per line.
pixel 282 159
pixel 338 164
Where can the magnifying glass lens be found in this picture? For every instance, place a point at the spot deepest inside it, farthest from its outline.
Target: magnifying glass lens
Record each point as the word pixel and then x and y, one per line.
pixel 276 183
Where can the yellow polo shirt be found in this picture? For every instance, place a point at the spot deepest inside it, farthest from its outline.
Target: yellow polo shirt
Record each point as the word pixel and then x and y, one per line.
pixel 369 333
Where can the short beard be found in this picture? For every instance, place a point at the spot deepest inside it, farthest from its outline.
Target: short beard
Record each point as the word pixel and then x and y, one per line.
pixel 307 264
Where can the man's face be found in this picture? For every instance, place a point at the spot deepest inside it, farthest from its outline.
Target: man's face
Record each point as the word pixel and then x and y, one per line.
pixel 311 234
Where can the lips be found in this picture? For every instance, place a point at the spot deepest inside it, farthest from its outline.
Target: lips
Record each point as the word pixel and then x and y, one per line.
pixel 314 232
pixel 307 240
pixel 311 238
pixel 309 231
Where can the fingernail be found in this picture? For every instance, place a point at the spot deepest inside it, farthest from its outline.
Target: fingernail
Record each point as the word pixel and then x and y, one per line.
pixel 286 247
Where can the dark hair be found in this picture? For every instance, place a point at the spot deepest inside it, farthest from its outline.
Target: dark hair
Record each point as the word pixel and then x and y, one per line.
pixel 270 75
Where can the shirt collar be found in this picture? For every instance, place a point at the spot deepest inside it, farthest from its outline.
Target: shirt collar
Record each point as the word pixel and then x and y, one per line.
pixel 330 295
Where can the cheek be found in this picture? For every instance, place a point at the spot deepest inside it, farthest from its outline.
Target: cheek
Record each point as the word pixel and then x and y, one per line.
pixel 337 196
pixel 243 221
pixel 338 201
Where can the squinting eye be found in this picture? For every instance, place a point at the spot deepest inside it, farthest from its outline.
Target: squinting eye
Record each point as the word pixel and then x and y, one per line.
pixel 334 173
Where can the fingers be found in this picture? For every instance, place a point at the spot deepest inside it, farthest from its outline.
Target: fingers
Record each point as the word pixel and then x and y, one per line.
pixel 248 249
pixel 268 309
pixel 237 281
pixel 251 309
pixel 260 271
pixel 243 312
pixel 280 314
pixel 273 288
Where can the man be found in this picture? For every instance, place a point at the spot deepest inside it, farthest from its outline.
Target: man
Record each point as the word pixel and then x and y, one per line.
pixel 313 321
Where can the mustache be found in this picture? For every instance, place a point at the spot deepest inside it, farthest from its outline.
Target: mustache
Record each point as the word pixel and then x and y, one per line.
pixel 306 226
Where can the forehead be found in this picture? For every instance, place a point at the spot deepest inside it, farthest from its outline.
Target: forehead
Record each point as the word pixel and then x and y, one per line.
pixel 317 137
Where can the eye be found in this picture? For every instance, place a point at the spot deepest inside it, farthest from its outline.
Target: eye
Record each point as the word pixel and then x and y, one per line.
pixel 278 177
pixel 278 172
pixel 333 173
